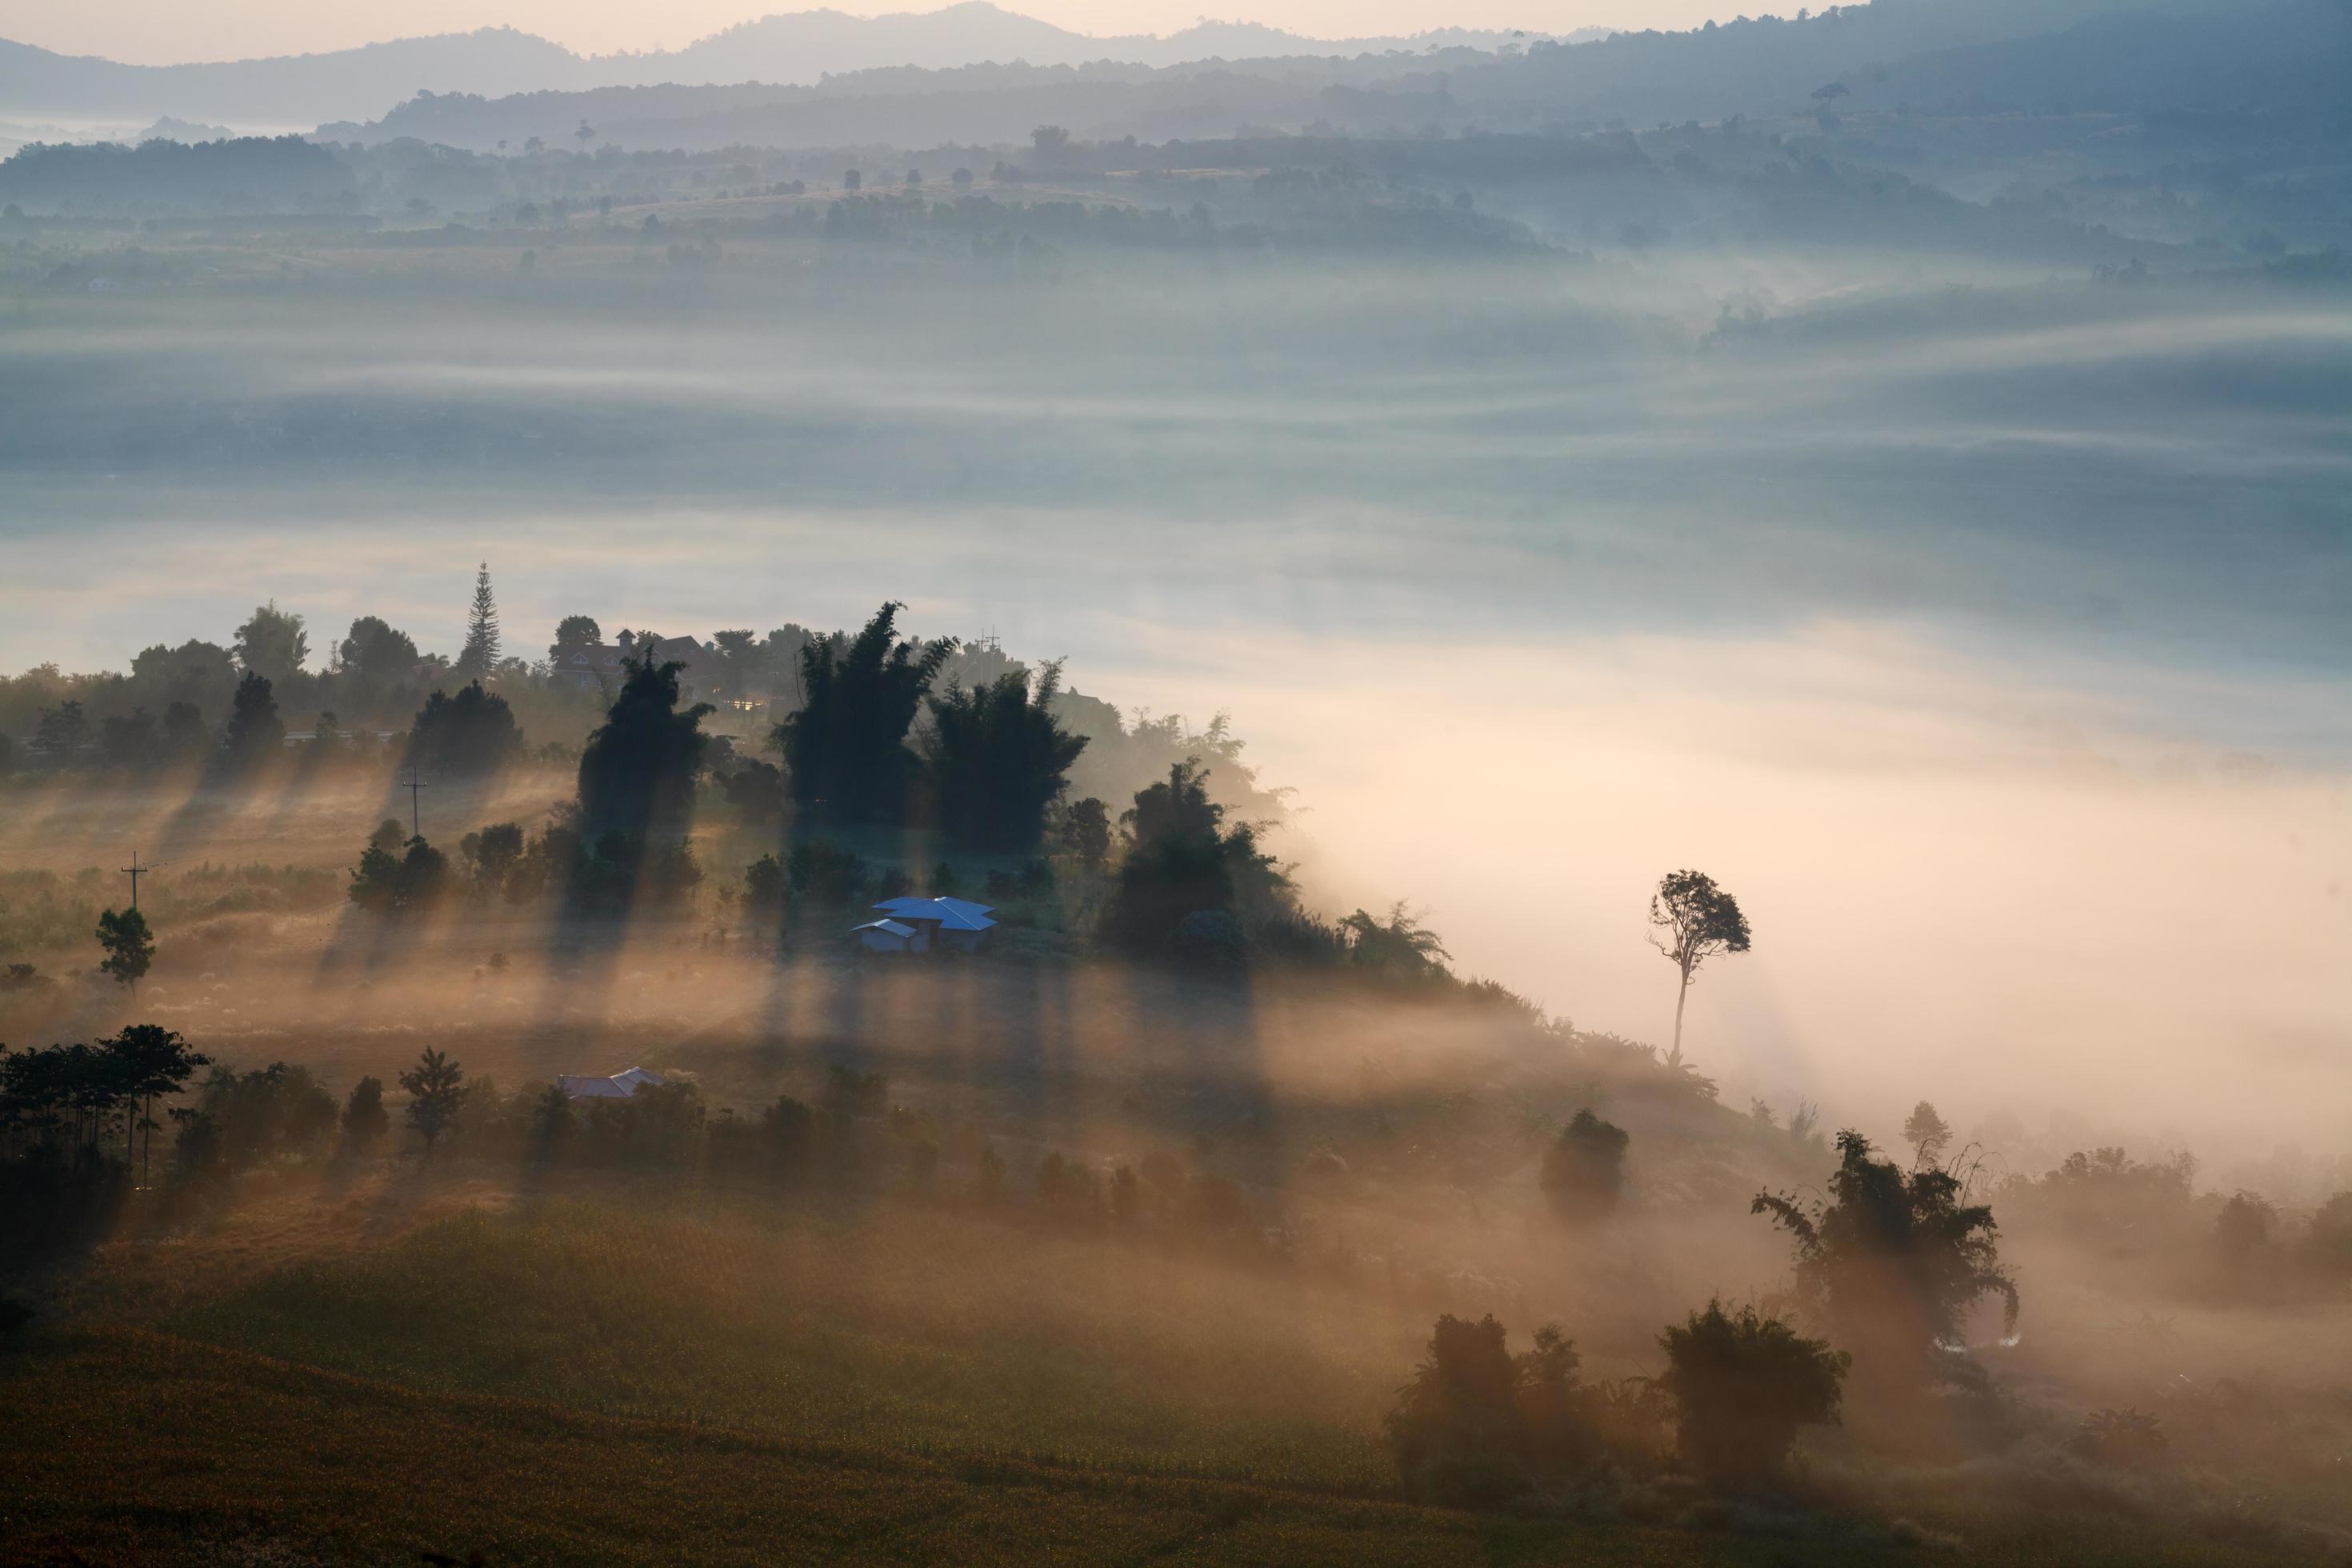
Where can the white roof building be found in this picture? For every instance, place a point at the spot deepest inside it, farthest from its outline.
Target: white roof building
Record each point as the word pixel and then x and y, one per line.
pixel 891 936
pixel 620 1086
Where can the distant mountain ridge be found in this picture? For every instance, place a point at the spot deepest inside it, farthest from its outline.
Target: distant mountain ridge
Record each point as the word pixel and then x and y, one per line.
pixel 2114 56
pixel 793 49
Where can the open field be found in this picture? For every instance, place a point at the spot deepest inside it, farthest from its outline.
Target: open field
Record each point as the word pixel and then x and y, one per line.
pixel 446 1364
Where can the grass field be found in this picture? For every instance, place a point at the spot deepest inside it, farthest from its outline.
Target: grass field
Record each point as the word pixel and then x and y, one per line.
pixel 406 1369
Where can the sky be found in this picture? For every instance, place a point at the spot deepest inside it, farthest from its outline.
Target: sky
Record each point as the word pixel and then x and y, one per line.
pixel 163 32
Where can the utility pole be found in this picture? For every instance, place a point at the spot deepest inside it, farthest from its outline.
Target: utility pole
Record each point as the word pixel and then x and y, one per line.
pixel 416 818
pixel 136 871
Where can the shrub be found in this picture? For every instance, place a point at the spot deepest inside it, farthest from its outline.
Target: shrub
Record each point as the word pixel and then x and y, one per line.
pixel 1891 1260
pixel 1742 1386
pixel 1479 1425
pixel 1207 939
pixel 1584 1172
pixel 2124 1439
pixel 365 1118
pixel 825 873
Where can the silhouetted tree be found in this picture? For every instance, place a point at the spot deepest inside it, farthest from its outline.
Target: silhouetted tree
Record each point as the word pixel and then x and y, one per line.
pixel 393 884
pixel 763 884
pixel 272 643
pixel 1584 1172
pixel 1479 1424
pixel 1742 1386
pixel 844 751
pixel 61 733
pixel 1182 858
pixel 552 1122
pixel 435 1087
pixel 1926 1133
pixel 149 1060
pixel 490 854
pixel 1693 919
pixel 185 734
pixel 1085 832
pixel 480 656
pixel 375 657
pixel 1400 946
pixel 998 758
pixel 365 1119
pixel 129 740
pixel 1890 1261
pixel 130 946
pixel 637 770
pixel 255 731
pixel 471 733
pixel 756 791
pixel 2244 1226
pixel 826 872
pixel 573 634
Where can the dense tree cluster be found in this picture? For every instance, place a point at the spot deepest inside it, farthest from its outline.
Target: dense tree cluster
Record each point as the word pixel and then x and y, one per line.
pixel 1890 1259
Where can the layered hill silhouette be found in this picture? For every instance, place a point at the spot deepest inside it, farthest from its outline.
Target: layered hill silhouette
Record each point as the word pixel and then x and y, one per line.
pixel 1968 58
pixel 297 91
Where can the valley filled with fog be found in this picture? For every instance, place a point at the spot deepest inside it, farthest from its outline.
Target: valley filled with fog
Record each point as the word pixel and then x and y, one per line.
pixel 1524 574
pixel 921 788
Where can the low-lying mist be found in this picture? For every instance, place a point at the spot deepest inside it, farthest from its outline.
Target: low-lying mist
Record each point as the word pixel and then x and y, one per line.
pixel 1988 639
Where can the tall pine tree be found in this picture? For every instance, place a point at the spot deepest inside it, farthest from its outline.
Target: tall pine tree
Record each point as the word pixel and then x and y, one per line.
pixel 481 656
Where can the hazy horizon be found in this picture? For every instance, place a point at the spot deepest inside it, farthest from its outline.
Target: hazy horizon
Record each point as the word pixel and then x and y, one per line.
pixel 146 32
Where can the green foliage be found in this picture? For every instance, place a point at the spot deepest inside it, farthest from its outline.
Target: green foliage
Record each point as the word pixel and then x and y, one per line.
pixel 573 634
pixel 491 854
pixel 1478 1425
pixel 480 656
pixel 1182 858
pixel 552 1122
pixel 2244 1226
pixel 1208 940
pixel 436 1086
pixel 130 946
pixel 1891 1260
pixel 255 732
pixel 763 884
pixel 79 1096
pixel 844 751
pixel 271 643
pixel 413 879
pixel 365 1118
pixel 1926 1133
pixel 2328 1240
pixel 999 757
pixel 41 912
pixel 1742 1386
pixel 637 770
pixel 467 735
pixel 1692 920
pixel 1084 832
pixel 825 873
pixel 63 732
pixel 243 1119
pixel 1584 1172
pixel 756 790
pixel 2126 1439
pixel 375 658
pixel 2097 1196
pixel 1399 948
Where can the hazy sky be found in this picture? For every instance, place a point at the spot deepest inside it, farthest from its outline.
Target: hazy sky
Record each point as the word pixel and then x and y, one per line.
pixel 158 32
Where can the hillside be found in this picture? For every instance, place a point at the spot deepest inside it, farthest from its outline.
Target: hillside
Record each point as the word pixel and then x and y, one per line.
pixel 799 47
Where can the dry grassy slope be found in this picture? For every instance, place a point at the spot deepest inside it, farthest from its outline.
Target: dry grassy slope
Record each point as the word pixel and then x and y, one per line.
pixel 131 1446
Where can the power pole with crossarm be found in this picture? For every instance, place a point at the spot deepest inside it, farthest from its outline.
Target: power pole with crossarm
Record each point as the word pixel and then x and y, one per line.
pixel 136 871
